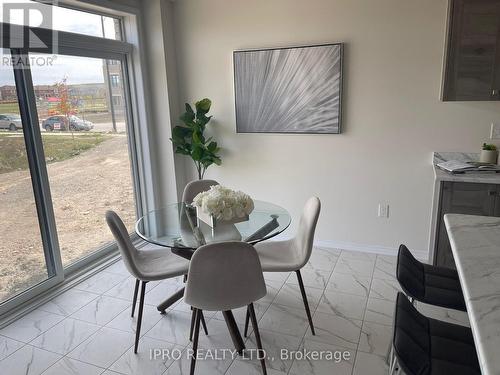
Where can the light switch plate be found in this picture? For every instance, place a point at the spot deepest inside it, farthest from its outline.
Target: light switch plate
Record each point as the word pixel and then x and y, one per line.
pixel 495 130
pixel 383 210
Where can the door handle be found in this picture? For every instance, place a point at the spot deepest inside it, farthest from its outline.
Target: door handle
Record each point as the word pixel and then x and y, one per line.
pixel 494 92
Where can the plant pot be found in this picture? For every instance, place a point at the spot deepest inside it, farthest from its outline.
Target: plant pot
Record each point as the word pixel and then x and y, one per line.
pixel 211 221
pixel 488 156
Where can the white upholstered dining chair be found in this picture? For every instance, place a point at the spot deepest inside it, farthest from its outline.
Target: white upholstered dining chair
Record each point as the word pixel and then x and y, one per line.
pixel 194 187
pixel 224 276
pixel 191 190
pixel 293 254
pixel 144 265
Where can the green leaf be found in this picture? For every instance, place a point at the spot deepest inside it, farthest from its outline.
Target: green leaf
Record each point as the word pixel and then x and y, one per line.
pixel 203 106
pixel 182 150
pixel 187 118
pixel 197 153
pixel 198 138
pixel 212 146
pixel 180 135
pixel 202 119
pixel 189 109
pixel 181 132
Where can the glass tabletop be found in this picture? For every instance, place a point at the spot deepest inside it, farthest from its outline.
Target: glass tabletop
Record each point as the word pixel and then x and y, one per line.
pixel 177 226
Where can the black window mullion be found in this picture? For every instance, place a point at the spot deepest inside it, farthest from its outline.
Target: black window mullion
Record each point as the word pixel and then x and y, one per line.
pixel 36 161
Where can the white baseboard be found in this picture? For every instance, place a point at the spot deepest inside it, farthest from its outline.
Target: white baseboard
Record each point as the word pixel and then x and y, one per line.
pixel 422 255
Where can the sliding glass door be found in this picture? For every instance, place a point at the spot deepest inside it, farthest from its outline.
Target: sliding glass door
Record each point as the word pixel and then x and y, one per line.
pixel 67 154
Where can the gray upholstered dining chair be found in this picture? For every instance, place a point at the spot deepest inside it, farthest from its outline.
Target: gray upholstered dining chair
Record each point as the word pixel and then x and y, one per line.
pixel 194 187
pixel 191 190
pixel 224 276
pixel 293 254
pixel 144 265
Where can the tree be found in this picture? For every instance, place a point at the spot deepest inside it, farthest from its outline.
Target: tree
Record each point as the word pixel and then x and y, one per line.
pixel 65 106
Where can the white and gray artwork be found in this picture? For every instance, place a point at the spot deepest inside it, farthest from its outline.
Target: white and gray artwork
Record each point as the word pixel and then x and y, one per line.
pixel 289 90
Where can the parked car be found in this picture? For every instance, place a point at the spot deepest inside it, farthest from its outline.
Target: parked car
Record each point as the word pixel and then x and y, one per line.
pixel 10 121
pixel 60 122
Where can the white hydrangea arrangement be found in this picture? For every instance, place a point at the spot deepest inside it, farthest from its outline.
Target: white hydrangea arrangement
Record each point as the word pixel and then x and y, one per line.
pixel 223 203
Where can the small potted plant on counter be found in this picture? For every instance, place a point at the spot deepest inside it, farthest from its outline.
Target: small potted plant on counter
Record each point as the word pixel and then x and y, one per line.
pixel 489 154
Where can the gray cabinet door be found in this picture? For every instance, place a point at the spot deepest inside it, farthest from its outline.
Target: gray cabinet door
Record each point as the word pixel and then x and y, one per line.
pixel 496 211
pixel 461 198
pixel 472 60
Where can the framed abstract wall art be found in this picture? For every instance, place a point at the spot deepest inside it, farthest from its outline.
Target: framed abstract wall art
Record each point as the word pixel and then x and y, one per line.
pixel 289 90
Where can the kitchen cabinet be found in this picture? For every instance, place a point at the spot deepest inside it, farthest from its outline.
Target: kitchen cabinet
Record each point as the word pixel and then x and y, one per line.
pixel 472 66
pixel 463 198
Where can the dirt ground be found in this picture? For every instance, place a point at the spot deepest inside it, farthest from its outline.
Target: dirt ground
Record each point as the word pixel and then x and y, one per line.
pixel 82 189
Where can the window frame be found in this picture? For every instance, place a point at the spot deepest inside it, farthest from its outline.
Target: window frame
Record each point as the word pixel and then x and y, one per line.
pixel 131 83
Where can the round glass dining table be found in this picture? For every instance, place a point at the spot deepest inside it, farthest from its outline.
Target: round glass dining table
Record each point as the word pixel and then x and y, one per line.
pixel 177 226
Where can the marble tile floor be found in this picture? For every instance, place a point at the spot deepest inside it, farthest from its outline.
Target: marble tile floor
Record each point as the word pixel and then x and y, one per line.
pixel 88 329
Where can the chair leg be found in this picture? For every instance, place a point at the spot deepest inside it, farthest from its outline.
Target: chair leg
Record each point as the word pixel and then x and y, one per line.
pixel 193 318
pixel 202 318
pixel 247 320
pixel 257 336
pixel 304 298
pixel 197 313
pixel 393 368
pixel 388 356
pixel 139 317
pixel 134 300
pixel 192 324
pixel 393 363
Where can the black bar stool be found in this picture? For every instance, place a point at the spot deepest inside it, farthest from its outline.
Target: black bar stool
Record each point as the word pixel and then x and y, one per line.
pixel 434 285
pixel 426 346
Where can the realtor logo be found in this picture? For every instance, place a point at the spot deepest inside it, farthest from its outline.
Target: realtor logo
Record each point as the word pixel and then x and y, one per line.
pixel 35 15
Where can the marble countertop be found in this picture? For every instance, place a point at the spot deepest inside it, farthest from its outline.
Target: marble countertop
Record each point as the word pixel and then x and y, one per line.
pixel 475 242
pixel 479 177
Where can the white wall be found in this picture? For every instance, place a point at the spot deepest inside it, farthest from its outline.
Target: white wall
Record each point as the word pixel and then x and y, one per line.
pixel 162 96
pixel 393 118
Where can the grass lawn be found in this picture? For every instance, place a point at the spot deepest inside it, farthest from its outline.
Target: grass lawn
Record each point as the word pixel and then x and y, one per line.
pixel 96 105
pixel 9 108
pixel 57 147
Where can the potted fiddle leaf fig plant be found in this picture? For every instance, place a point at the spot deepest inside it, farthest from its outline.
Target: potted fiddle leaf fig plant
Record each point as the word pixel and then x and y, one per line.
pixel 189 138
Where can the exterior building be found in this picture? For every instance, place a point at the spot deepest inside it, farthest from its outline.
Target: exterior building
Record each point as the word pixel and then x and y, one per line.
pixel 113 80
pixel 8 93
